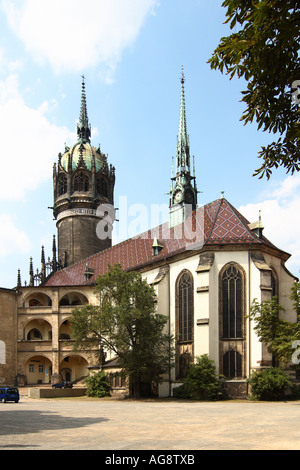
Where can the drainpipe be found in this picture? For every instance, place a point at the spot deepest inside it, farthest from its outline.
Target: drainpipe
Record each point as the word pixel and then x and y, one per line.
pixel 169 307
pixel 249 304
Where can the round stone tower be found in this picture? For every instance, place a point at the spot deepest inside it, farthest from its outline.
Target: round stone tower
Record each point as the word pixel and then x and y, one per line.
pixel 83 196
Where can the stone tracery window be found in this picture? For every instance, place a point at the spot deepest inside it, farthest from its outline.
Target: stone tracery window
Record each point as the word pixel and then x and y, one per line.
pixel 185 308
pixel 62 185
pixel 232 322
pixel 232 364
pixel 102 187
pixel 232 314
pixel 81 182
pixel 184 323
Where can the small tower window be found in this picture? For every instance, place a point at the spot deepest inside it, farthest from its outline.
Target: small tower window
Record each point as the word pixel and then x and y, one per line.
pixel 62 185
pixel 102 187
pixel 81 182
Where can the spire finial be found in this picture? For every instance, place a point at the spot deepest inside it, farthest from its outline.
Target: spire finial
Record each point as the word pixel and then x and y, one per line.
pixel 260 224
pixel 83 128
pixel 19 282
pixel 31 273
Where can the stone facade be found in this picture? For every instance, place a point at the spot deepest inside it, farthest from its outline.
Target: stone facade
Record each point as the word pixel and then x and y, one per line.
pixel 77 238
pixel 8 336
pixel 44 349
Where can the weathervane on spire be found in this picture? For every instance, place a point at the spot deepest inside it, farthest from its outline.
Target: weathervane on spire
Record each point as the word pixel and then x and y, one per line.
pixel 182 76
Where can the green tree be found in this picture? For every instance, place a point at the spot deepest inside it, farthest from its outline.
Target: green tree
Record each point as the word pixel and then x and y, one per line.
pixel 264 50
pixel 295 296
pixel 126 324
pixel 98 385
pixel 201 382
pixel 279 336
pixel 268 384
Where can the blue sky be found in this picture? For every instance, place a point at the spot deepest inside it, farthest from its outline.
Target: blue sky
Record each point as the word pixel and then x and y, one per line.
pixel 131 53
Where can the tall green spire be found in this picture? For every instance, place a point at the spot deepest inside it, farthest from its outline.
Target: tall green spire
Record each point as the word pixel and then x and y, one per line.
pixel 183 144
pixel 183 190
pixel 83 127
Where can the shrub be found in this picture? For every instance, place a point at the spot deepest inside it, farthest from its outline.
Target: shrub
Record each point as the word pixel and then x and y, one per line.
pixel 98 385
pixel 201 382
pixel 268 384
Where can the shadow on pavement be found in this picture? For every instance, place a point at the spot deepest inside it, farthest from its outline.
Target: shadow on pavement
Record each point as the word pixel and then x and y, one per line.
pixel 31 421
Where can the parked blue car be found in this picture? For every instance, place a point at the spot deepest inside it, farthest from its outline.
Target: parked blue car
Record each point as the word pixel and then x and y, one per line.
pixel 9 394
pixel 63 384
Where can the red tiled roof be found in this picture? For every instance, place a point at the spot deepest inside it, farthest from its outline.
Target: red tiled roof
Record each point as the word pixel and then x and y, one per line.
pixel 217 223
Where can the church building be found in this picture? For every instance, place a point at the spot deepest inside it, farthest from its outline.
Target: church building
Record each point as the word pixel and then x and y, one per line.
pixel 206 263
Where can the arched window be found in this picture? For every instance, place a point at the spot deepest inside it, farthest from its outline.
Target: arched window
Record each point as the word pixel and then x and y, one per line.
pixel 62 185
pixel 81 182
pixel 184 323
pixel 274 284
pixel 34 334
pixel 232 303
pixel 232 364
pixel 102 187
pixel 232 345
pixel 185 308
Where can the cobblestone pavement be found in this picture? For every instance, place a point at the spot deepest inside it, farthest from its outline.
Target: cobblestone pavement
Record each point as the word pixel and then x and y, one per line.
pixel 107 424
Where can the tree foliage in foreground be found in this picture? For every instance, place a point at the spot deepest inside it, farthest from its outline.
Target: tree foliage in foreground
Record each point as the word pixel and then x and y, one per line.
pixel 201 382
pixel 280 336
pixel 264 50
pixel 269 384
pixel 98 385
pixel 126 324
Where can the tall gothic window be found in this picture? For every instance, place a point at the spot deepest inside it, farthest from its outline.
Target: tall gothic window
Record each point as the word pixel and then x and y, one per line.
pixel 232 316
pixel 274 285
pixel 185 308
pixel 81 182
pixel 232 301
pixel 232 364
pixel 62 185
pixel 184 323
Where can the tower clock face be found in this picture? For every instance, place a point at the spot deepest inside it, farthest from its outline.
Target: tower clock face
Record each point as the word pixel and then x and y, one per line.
pixel 178 196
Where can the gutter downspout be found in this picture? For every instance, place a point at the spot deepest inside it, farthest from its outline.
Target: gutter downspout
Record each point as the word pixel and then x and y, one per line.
pixel 169 308
pixel 249 306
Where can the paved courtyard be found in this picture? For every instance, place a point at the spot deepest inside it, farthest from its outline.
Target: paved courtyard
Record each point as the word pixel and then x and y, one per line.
pixel 94 424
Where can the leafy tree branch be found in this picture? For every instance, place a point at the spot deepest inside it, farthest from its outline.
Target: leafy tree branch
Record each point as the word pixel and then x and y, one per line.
pixel 264 50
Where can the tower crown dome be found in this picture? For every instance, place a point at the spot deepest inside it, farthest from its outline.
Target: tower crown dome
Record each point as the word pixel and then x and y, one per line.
pixel 83 153
pixel 82 182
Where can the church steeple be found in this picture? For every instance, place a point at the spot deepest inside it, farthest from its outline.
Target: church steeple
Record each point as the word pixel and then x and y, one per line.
pixel 183 192
pixel 183 144
pixel 83 127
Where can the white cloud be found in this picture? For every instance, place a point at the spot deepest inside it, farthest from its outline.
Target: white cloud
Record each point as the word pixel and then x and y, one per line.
pixel 30 143
pixel 73 35
pixel 280 217
pixel 12 240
